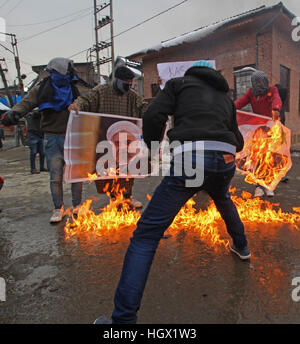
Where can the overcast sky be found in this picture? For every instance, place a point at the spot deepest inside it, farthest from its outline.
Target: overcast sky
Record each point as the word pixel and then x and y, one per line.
pixel 27 18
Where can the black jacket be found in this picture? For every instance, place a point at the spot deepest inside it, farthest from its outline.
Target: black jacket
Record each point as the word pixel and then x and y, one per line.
pixel 201 108
pixel 33 120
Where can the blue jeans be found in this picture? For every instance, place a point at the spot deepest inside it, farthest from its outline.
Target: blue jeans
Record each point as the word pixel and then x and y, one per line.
pixel 166 202
pixel 36 145
pixel 54 150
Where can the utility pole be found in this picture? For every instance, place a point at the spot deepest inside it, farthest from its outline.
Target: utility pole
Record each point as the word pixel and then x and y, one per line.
pixel 101 46
pixel 5 84
pixel 97 40
pixel 17 63
pixel 112 38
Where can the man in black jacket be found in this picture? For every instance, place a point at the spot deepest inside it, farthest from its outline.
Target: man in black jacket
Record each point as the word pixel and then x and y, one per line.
pixel 207 136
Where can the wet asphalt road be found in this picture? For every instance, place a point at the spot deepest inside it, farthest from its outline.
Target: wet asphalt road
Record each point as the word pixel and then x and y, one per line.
pixel 54 280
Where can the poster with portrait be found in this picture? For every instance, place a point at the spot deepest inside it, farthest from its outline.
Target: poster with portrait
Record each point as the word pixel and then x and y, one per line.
pixel 105 146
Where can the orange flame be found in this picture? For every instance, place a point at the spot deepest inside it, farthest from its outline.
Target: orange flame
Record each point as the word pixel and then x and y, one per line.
pixel 118 215
pixel 92 177
pixel 262 157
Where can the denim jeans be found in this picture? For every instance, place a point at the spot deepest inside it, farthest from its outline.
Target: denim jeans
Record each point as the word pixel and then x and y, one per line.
pixel 36 145
pixel 54 150
pixel 166 202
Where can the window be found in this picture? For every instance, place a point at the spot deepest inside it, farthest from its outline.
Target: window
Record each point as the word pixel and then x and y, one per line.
pixel 242 81
pixel 285 82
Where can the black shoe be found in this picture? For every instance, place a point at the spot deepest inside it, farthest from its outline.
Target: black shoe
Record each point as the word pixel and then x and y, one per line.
pixel 243 253
pixel 34 171
pixel 43 170
pixel 284 179
pixel 102 321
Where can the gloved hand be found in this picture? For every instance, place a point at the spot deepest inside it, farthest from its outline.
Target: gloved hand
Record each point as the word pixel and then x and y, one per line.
pixel 10 118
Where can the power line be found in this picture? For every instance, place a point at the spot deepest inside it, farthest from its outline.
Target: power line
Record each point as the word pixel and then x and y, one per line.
pixel 52 20
pixel 6 48
pixel 52 28
pixel 3 46
pixel 14 7
pixel 144 21
pixel 5 2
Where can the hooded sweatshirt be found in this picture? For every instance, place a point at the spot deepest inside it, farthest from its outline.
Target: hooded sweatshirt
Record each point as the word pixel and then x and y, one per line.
pixel 201 108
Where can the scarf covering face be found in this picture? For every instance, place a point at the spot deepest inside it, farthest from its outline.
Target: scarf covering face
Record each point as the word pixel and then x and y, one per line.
pixel 122 86
pixel 63 95
pixel 260 83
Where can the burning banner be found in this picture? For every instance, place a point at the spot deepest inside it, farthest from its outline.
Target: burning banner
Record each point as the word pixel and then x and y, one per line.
pixel 265 158
pixel 102 146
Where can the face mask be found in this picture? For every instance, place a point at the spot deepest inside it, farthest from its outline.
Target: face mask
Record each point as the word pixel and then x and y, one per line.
pixel 123 86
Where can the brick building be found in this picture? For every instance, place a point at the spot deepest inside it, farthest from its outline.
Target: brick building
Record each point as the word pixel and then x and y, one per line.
pixel 261 38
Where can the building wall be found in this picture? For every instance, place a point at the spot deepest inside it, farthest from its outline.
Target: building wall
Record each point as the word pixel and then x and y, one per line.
pixel 236 47
pixel 231 48
pixel 287 53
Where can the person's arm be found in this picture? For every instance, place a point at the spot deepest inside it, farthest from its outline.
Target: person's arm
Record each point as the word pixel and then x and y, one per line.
pixel 156 115
pixel 19 110
pixel 88 102
pixel 141 106
pixel 244 100
pixel 28 103
pixel 276 100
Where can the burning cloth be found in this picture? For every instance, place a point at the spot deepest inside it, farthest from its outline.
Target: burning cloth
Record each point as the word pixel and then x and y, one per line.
pixel 265 158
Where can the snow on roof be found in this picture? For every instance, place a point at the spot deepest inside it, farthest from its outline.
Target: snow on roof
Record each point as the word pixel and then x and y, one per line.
pixel 205 31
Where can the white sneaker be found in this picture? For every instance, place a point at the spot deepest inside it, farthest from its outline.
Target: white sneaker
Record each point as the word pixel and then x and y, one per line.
pixel 57 215
pixel 135 203
pixel 269 193
pixel 259 192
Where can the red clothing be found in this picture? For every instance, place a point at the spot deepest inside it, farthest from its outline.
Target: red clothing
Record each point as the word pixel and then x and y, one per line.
pixel 262 105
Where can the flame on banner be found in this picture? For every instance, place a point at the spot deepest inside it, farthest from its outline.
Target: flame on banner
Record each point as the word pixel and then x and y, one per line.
pixel 265 157
pixel 92 177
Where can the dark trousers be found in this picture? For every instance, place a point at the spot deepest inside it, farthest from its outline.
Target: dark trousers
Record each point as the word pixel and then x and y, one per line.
pixel 36 145
pixel 166 202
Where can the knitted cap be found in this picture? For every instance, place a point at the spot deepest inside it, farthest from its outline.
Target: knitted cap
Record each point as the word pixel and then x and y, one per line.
pixel 203 63
pixel 124 73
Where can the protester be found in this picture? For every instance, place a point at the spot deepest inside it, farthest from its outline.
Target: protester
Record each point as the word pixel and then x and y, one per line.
pixel 205 117
pixel 283 93
pixel 265 100
pixel 52 96
pixel 35 138
pixel 116 98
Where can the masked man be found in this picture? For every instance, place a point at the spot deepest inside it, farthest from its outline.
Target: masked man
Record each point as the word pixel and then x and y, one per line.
pixel 116 98
pixel 265 100
pixel 52 96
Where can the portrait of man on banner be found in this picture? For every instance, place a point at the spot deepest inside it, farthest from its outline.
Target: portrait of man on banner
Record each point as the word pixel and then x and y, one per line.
pixel 105 146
